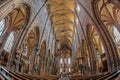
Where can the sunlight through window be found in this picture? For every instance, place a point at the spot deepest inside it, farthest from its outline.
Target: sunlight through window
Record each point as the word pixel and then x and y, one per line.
pixel 61 61
pixel 2 27
pixel 116 35
pixel 69 61
pixel 78 8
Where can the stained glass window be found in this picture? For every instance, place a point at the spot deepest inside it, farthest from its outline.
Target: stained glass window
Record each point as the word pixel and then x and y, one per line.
pixel 2 27
pixel 116 35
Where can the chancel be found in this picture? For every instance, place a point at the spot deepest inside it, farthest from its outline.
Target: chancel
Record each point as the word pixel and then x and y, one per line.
pixel 59 39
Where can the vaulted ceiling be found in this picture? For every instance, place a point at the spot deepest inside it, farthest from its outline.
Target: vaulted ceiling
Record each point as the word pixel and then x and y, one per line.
pixel 63 20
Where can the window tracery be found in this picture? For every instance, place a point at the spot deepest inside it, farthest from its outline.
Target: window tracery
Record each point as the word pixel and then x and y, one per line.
pixel 110 16
pixel 2 29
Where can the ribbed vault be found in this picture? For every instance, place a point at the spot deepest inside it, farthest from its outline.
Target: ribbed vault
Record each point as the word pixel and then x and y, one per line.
pixel 62 19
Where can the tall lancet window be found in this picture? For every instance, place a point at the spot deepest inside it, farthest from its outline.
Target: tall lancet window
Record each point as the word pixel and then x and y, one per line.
pixel 116 35
pixel 2 28
pixel 59 45
pixel 61 61
pixel 9 42
pixel 69 60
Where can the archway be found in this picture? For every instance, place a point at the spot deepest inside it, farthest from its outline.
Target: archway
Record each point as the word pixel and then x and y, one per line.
pixel 30 50
pixel 98 49
pixel 14 22
pixel 106 13
pixel 42 59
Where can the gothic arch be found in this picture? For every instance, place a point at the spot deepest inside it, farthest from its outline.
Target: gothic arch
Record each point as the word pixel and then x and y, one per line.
pixel 30 49
pixel 19 17
pixel 103 11
pixel 33 39
pixel 42 58
pixel 98 48
pixel 16 21
pixel 43 49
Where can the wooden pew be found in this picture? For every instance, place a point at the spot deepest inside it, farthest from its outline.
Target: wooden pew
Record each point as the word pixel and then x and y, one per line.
pixel 38 77
pixel 79 77
pixel 107 76
pixel 113 76
pixel 29 77
pixel 88 77
pixel 96 77
pixel 7 73
pixel 20 76
pixel 93 77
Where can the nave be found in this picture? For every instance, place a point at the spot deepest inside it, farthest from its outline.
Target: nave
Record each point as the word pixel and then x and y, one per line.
pixel 59 39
